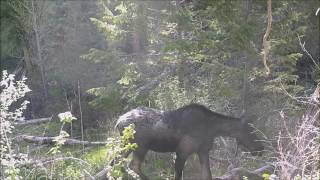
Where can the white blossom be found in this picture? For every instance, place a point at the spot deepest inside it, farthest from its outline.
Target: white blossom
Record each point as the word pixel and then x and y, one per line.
pixel 66 117
pixel 11 91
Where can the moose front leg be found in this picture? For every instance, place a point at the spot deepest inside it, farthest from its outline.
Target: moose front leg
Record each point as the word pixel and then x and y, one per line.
pixel 179 165
pixel 137 160
pixel 205 165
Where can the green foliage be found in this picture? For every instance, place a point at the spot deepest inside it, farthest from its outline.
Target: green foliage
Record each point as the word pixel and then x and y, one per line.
pixel 170 95
pixel 65 118
pixel 10 36
pixel 266 176
pixel 129 76
pixel 107 99
pixel 98 56
pixel 116 147
pixel 96 157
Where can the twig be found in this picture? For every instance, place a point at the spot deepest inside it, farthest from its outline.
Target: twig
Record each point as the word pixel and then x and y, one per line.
pixel 101 173
pixel 302 45
pixel 293 97
pixel 80 109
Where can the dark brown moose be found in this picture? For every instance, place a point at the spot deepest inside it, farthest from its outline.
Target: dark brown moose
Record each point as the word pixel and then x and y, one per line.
pixel 187 130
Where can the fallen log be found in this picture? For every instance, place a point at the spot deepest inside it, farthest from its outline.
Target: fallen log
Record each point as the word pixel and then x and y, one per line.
pixel 52 140
pixel 33 121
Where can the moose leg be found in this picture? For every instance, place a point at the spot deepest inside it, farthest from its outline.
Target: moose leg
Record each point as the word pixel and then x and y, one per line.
pixel 179 165
pixel 205 165
pixel 137 159
pixel 123 155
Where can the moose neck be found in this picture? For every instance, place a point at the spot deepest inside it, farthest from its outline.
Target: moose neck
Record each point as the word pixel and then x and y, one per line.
pixel 221 125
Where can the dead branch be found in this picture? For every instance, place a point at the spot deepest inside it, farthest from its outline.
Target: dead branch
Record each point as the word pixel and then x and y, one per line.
pixel 51 140
pixel 239 173
pixel 102 174
pixel 33 121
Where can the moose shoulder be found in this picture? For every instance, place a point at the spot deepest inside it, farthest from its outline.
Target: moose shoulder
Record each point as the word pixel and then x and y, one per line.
pixel 187 130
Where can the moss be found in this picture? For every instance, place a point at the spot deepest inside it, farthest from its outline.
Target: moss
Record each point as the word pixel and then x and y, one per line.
pixel 96 157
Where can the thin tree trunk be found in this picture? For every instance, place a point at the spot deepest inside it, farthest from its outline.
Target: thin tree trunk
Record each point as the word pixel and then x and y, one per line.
pixel 80 109
pixel 36 30
pixel 266 43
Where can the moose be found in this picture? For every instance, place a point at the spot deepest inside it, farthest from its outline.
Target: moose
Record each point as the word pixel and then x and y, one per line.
pixel 187 130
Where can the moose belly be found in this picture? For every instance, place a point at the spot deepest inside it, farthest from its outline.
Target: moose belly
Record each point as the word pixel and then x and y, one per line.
pixel 159 137
pixel 161 141
pixel 162 144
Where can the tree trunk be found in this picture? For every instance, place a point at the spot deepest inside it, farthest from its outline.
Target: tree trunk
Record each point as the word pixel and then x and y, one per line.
pixel 27 60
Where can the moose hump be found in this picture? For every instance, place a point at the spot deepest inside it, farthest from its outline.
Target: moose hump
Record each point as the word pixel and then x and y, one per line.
pixel 141 116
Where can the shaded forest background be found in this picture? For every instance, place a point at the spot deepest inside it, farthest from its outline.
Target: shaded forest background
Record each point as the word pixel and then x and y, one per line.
pixel 99 59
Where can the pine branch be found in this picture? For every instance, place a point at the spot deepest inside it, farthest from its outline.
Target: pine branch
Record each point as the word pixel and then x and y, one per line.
pixel 152 84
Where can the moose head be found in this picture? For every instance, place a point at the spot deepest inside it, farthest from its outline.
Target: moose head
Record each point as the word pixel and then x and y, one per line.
pixel 247 137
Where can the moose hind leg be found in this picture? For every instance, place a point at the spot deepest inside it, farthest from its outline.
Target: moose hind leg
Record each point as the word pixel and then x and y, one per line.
pixel 205 165
pixel 137 160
